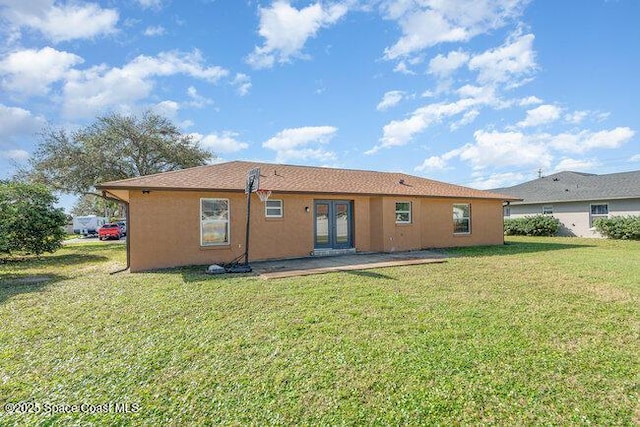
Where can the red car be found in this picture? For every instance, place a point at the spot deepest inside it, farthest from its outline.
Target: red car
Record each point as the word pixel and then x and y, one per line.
pixel 110 231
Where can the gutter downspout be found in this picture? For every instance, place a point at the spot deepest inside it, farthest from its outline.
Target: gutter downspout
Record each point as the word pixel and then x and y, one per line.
pixel 119 200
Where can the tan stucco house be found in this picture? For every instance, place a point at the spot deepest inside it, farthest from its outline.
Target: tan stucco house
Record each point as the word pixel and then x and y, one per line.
pixel 198 215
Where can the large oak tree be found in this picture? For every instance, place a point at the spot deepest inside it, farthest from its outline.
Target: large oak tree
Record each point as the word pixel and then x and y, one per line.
pixel 114 147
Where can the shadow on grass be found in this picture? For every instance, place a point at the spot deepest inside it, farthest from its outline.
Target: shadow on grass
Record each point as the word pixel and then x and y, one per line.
pixel 15 284
pixel 62 260
pixel 514 248
pixel 368 274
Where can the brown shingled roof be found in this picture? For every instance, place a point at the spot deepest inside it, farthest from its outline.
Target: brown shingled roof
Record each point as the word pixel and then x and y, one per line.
pixel 231 176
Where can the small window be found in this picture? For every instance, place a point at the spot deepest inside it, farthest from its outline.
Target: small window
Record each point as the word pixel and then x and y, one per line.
pixel 506 211
pixel 273 209
pixel 598 211
pixel 547 210
pixel 214 222
pixel 403 212
pixel 462 218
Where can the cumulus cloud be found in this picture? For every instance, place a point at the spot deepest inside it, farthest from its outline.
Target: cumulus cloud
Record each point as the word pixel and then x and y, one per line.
pixel 99 87
pixel 32 71
pixel 390 99
pixel 541 115
pixel 154 31
pixel 530 100
pixel 287 29
pixel 443 66
pixel 242 82
pixel 15 121
pixel 16 155
pixel 497 180
pixel 635 158
pixel 513 60
pixel 426 24
pixel 302 144
pixel 225 142
pixel 167 108
pixel 62 22
pixel 197 100
pixel 580 165
pixel 586 140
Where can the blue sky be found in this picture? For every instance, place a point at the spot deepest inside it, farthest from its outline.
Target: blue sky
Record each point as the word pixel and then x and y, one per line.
pixel 482 93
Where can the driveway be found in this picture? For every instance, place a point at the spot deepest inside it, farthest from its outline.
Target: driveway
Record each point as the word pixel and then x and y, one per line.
pixel 93 240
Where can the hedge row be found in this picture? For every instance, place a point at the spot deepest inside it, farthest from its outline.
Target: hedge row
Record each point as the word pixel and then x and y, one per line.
pixel 538 225
pixel 619 227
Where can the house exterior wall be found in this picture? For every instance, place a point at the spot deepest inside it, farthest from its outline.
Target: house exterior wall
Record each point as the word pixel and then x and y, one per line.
pixel 164 227
pixel 575 217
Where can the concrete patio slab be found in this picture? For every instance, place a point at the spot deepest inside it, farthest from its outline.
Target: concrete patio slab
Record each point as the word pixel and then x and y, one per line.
pixel 318 265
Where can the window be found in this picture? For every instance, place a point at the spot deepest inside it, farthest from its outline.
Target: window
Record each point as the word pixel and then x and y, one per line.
pixel 403 212
pixel 214 222
pixel 462 218
pixel 598 211
pixel 273 209
pixel 547 210
pixel 506 211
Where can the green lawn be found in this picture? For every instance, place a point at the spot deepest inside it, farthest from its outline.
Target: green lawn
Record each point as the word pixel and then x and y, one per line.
pixel 540 331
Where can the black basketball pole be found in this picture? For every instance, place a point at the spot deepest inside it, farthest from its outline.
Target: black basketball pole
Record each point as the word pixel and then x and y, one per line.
pixel 246 241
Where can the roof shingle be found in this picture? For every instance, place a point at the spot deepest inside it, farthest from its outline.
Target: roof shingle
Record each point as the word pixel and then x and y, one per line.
pixel 575 186
pixel 231 176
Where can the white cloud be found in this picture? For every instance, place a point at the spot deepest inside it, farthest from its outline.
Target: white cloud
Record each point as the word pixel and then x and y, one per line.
pixel 293 144
pixel 167 108
pixel 530 100
pixel 153 31
pixel 390 99
pixel 579 165
pixel 287 29
pixel 15 155
pixel 402 68
pixel 505 149
pixel 31 71
pixel 466 119
pixel 444 66
pixel 150 4
pixel 18 121
pixel 513 60
pixel 71 21
pixel 400 132
pixel 635 158
pixel 243 83
pixel 543 114
pixel 100 87
pixel 197 100
pixel 437 162
pixel 498 180
pixel 226 142
pixel 587 140
pixel 425 24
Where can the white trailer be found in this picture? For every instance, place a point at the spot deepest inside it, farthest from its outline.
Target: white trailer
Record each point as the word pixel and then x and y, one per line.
pixel 88 225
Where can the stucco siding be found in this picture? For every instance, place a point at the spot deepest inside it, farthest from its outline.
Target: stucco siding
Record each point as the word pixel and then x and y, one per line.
pixel 165 227
pixel 575 217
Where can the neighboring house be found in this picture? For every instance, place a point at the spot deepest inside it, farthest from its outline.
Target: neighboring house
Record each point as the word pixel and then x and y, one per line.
pixel 198 215
pixel 576 199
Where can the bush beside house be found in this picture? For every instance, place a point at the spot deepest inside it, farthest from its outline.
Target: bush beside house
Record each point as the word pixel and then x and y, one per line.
pixel 538 225
pixel 619 227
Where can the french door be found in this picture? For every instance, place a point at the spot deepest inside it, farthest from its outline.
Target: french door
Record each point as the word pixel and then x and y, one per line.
pixel 333 224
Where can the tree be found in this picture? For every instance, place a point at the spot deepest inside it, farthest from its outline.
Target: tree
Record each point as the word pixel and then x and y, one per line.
pixel 29 223
pixel 113 147
pixel 90 204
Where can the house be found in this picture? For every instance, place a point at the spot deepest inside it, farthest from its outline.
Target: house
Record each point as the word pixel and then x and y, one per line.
pixel 198 215
pixel 576 199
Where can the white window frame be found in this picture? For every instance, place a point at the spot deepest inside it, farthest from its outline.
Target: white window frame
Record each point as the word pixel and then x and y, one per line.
pixel 547 210
pixel 404 211
pixel 227 221
pixel 267 208
pixel 468 218
pixel 593 216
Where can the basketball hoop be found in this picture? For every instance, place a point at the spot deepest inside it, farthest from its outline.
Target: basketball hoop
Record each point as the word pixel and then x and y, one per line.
pixel 263 195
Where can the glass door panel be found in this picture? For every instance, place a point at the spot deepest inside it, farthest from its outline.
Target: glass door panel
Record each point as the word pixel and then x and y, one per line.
pixel 322 224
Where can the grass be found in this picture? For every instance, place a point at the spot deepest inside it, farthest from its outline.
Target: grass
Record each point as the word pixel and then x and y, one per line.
pixel 539 331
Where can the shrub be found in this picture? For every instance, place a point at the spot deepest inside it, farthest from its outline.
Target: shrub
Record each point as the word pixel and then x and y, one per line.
pixel 538 225
pixel 619 227
pixel 29 223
